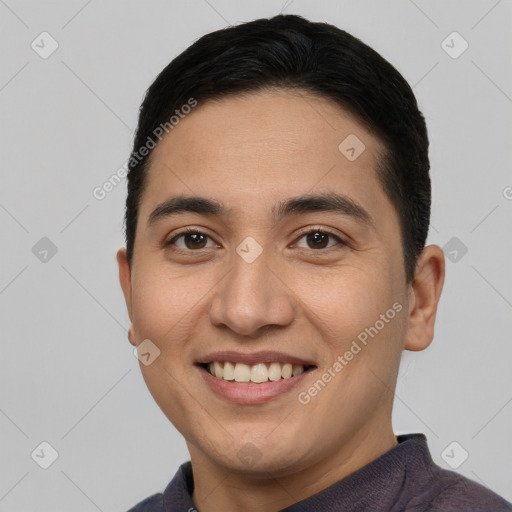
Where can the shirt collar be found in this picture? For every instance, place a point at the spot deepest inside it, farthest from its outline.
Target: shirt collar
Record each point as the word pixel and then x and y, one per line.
pixel 379 483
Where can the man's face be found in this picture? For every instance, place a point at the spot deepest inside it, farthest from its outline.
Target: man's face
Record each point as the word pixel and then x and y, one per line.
pixel 304 282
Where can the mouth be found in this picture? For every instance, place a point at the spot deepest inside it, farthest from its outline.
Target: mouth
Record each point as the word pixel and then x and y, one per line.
pixel 259 373
pixel 253 384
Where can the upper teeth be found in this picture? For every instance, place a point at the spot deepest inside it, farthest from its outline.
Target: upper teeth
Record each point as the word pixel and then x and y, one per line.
pixel 240 372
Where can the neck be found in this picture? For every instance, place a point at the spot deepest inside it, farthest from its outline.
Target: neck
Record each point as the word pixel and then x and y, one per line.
pixel 218 488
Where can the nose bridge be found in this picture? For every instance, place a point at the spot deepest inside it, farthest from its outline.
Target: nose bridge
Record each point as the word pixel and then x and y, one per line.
pixel 251 296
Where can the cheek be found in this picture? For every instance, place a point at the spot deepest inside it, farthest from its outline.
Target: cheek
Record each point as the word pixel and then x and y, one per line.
pixel 165 311
pixel 167 388
pixel 359 314
pixel 343 303
pixel 163 303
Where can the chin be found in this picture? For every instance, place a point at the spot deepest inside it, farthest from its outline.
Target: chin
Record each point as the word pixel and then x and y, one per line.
pixel 258 456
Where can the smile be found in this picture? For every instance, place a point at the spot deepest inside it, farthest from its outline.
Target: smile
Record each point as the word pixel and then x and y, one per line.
pixel 234 381
pixel 257 373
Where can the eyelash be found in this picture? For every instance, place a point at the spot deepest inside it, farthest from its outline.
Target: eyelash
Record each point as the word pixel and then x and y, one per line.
pixel 193 231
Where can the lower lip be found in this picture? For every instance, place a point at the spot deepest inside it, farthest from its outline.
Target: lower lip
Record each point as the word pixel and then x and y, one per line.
pixel 249 392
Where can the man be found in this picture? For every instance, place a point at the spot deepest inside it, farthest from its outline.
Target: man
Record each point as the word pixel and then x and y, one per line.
pixel 275 269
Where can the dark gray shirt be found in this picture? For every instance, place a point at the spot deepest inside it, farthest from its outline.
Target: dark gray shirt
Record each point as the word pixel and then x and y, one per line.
pixel 404 479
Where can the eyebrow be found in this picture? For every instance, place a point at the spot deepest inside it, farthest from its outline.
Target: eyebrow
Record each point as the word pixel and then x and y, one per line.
pixel 328 202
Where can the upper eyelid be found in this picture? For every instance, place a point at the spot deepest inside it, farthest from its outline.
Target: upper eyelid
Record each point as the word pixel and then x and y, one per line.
pixel 321 229
pixel 341 240
pixel 187 231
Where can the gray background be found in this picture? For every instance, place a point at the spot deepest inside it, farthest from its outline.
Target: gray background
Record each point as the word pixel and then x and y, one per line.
pixel 67 372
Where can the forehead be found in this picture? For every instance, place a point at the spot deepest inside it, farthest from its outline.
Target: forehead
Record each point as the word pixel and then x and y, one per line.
pixel 258 147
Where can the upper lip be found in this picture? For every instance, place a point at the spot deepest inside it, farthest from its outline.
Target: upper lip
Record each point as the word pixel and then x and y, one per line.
pixel 266 356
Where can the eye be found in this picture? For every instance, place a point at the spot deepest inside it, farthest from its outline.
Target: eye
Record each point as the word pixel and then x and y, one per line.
pixel 191 240
pixel 320 239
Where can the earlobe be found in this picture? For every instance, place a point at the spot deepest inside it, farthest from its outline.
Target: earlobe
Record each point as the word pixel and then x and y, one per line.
pixel 426 291
pixel 131 335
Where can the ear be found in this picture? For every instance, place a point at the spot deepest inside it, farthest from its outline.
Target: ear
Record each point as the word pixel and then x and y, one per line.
pixel 125 279
pixel 424 294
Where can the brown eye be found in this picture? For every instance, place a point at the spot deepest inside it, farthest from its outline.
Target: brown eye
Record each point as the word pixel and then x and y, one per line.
pixel 318 239
pixel 194 240
pixel 191 240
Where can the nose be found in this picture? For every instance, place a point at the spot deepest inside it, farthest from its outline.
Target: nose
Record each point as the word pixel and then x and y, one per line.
pixel 252 298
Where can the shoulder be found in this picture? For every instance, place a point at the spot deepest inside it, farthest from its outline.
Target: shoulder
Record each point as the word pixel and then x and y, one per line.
pixel 454 492
pixel 176 496
pixel 154 503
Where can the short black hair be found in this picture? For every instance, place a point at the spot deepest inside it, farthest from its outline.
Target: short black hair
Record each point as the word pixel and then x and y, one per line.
pixel 291 52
